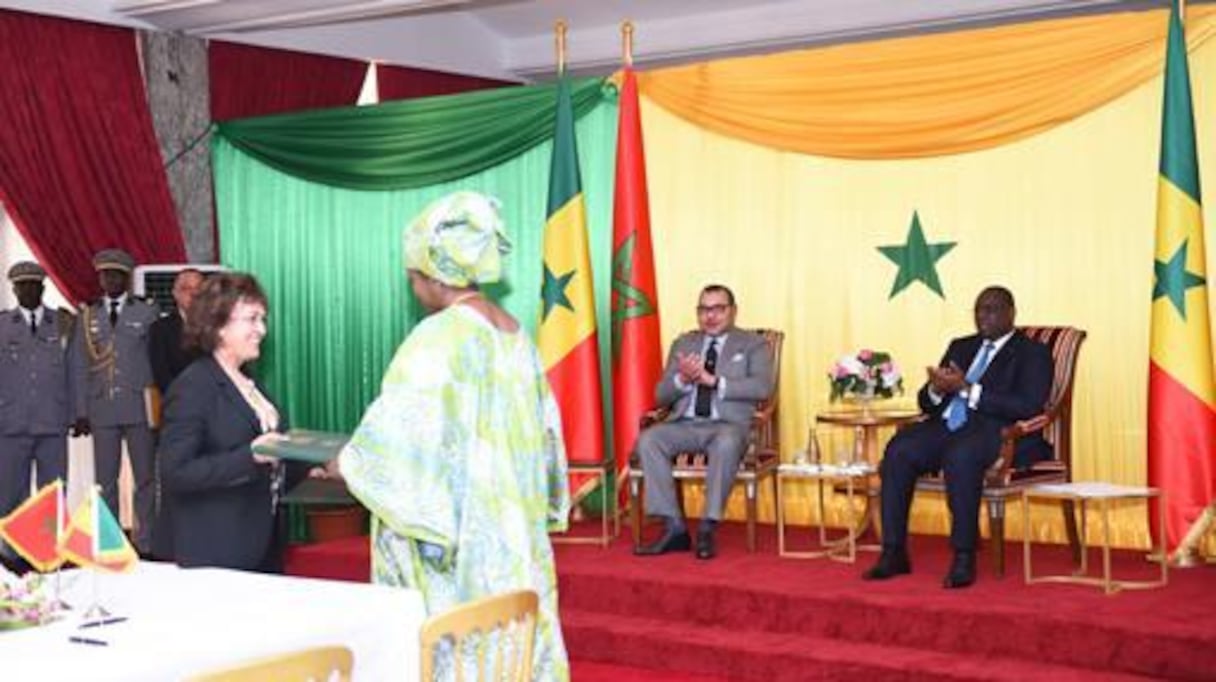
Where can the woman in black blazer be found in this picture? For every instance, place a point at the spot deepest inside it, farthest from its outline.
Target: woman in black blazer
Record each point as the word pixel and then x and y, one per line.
pixel 222 494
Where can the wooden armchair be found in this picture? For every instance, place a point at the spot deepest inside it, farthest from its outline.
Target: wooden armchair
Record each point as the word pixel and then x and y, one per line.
pixel 1055 422
pixel 760 461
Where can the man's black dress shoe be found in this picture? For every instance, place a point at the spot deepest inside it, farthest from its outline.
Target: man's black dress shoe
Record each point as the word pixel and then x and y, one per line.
pixel 962 571
pixel 707 547
pixel 671 541
pixel 890 564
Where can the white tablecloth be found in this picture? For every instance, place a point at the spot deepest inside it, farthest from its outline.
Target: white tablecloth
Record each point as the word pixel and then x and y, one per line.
pixel 186 621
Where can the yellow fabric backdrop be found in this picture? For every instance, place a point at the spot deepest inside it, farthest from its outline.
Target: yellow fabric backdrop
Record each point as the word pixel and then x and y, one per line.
pixel 1064 218
pixel 928 95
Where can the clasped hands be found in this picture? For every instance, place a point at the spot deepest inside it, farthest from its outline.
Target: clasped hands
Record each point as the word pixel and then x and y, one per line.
pixel 691 368
pixel 946 380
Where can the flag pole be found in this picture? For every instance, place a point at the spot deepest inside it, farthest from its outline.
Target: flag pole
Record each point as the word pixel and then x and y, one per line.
pixel 627 43
pixel 96 612
pixel 61 508
pixel 559 36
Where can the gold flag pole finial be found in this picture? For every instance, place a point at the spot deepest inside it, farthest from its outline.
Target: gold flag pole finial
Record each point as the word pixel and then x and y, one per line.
pixel 559 31
pixel 627 42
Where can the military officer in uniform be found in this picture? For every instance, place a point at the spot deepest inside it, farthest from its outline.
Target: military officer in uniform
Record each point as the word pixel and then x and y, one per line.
pixel 34 388
pixel 112 372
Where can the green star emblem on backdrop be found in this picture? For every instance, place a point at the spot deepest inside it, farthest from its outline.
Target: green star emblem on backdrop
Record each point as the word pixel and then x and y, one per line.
pixel 917 260
pixel 1172 279
pixel 553 291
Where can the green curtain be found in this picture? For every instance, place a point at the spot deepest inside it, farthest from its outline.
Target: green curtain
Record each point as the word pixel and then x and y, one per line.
pixel 409 144
pixel 330 261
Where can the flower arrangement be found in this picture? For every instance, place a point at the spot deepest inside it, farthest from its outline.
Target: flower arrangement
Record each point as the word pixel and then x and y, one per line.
pixel 866 375
pixel 25 601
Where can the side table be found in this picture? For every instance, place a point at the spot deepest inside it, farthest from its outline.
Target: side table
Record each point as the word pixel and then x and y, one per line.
pixel 854 478
pixel 1105 494
pixel 866 423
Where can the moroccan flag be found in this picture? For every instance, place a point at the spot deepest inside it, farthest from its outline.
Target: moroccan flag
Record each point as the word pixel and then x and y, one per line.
pixel 33 529
pixel 1181 396
pixel 637 357
pixel 567 335
pixel 94 539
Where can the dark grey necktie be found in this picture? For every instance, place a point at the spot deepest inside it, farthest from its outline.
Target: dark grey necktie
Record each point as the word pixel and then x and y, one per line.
pixel 113 313
pixel 705 394
pixel 33 324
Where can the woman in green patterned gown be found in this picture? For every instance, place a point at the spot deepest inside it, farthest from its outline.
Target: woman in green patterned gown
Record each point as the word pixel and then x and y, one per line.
pixel 460 458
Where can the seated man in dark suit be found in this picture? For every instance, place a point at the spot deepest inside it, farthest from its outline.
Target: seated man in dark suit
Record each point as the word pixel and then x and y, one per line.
pixel 985 382
pixel 713 381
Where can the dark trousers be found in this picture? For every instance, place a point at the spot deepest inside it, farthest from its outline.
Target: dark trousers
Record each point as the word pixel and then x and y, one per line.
pixel 107 460
pixel 927 447
pixel 18 456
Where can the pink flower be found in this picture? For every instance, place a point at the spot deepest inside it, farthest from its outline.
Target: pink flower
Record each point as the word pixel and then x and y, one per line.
pixel 865 354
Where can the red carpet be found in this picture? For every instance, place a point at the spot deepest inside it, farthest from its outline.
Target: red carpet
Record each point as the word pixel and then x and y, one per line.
pixel 760 617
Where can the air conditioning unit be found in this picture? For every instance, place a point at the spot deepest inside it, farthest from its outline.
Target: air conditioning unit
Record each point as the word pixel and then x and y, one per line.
pixel 155 282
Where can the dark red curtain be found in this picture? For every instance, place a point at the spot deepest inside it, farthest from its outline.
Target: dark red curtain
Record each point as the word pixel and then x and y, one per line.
pixel 80 169
pixel 400 82
pixel 256 81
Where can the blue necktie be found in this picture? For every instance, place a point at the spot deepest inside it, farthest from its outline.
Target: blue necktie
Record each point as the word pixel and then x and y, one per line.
pixel 956 411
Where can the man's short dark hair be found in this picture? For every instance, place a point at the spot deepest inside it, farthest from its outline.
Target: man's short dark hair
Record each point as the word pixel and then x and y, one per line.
pixel 1004 294
pixel 719 289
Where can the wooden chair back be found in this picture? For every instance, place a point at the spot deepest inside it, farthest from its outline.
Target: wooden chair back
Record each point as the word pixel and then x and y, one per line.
pixel 1065 346
pixel 496 633
pixel 318 664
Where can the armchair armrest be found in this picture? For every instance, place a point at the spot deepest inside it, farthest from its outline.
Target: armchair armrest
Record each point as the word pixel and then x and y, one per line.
pixel 652 417
pixel 762 436
pixel 1001 471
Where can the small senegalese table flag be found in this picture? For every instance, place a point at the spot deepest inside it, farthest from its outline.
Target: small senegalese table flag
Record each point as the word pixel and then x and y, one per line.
pixel 35 528
pixel 94 539
pixel 1181 391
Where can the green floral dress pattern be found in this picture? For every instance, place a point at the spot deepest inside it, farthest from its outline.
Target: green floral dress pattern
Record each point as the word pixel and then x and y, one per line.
pixel 461 461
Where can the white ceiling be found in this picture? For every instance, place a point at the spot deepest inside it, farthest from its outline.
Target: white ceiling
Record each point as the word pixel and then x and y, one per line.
pixel 513 39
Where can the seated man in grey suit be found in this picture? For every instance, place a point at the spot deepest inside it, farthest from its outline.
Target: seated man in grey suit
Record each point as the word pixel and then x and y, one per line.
pixel 713 381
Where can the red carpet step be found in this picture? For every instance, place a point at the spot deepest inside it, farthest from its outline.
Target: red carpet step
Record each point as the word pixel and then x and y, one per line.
pixel 761 617
pixel 762 609
pixel 790 657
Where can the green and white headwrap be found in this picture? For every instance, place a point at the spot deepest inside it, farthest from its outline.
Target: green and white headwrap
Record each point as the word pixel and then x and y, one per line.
pixel 458 240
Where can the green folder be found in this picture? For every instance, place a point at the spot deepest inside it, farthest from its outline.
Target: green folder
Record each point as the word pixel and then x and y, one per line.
pixel 316 447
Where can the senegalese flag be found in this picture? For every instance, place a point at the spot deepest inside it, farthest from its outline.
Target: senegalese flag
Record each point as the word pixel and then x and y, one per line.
pixel 567 334
pixel 95 540
pixel 637 356
pixel 34 529
pixel 1181 396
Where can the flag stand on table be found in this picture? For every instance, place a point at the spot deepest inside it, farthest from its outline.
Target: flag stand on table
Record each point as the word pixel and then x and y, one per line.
pixel 95 540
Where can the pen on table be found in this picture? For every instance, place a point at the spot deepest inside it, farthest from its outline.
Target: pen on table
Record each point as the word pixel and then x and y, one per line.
pixel 86 640
pixel 99 623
